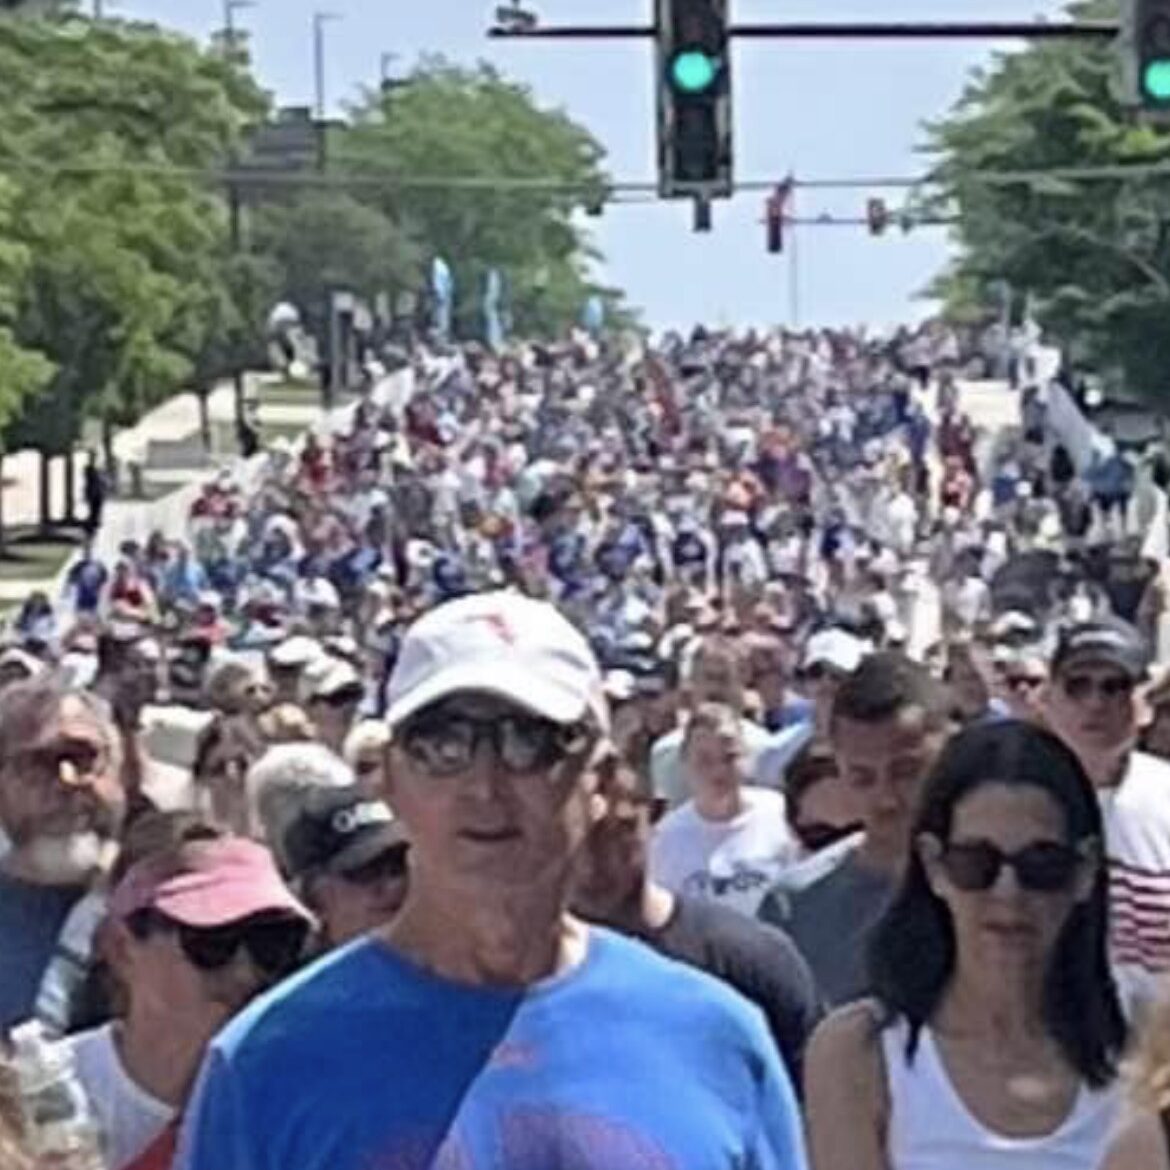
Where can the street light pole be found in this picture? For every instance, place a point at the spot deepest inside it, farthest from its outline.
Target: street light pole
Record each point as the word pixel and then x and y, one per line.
pixel 235 222
pixel 230 8
pixel 320 19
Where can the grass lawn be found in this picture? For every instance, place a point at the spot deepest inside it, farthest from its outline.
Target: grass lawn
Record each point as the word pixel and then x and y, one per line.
pixel 289 396
pixel 30 557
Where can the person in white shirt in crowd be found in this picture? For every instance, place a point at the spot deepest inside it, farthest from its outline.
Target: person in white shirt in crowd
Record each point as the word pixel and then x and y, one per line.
pixel 192 934
pixel 994 1034
pixel 730 839
pixel 715 673
pixel 1094 702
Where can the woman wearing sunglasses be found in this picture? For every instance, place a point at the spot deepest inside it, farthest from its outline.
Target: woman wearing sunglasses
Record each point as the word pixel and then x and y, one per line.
pixel 194 933
pixel 995 1029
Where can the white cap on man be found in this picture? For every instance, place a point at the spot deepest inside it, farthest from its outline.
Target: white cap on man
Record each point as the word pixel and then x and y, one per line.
pixel 502 644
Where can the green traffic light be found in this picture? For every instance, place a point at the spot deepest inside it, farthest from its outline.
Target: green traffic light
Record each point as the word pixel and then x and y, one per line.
pixel 1156 80
pixel 694 71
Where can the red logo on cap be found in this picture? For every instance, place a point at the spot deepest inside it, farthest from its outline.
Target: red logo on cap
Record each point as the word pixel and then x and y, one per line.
pixel 498 624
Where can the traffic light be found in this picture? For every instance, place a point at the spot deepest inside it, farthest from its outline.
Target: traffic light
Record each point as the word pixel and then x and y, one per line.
pixel 1149 32
pixel 877 215
pixel 775 213
pixel 695 157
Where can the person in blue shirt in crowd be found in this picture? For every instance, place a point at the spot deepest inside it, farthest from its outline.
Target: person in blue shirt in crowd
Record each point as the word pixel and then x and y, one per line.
pixel 486 1027
pixel 85 583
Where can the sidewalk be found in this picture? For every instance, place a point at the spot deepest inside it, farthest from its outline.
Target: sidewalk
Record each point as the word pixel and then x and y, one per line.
pixel 174 422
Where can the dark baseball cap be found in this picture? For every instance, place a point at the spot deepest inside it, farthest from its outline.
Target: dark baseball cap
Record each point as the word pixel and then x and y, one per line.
pixel 338 830
pixel 1110 642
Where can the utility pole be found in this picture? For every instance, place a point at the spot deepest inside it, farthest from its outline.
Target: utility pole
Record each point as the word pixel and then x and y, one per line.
pixel 794 267
pixel 320 19
pixel 329 367
pixel 235 220
pixel 230 8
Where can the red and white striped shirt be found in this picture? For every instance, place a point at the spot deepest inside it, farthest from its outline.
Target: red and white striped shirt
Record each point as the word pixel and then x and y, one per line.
pixel 1137 843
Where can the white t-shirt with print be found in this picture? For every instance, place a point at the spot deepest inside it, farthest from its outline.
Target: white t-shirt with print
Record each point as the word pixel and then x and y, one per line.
pixel 733 862
pixel 130 1118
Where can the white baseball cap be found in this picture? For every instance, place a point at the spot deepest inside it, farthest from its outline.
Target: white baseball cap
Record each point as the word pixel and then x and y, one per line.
pixel 502 644
pixel 836 648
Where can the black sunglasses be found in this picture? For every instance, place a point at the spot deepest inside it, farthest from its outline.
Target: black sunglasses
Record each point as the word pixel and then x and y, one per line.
pixel 1079 686
pixel 1045 867
pixel 274 944
pixel 388 866
pixel 444 741
pixel 1023 682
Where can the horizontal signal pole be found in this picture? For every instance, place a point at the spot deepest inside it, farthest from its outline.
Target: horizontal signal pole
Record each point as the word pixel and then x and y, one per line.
pixel 1085 30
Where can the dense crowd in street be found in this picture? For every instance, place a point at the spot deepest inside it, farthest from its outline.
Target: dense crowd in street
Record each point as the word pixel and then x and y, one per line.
pixel 720 753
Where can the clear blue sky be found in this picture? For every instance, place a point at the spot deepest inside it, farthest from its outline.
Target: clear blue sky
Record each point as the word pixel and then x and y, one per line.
pixel 821 110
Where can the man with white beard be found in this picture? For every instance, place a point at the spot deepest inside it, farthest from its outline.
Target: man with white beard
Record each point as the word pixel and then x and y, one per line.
pixel 61 806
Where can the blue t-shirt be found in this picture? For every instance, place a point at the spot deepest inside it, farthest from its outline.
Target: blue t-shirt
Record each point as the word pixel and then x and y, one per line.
pixel 31 918
pixel 367 1062
pixel 87 579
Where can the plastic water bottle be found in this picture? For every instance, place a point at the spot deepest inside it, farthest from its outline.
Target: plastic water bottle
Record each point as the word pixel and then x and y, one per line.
pixel 59 1125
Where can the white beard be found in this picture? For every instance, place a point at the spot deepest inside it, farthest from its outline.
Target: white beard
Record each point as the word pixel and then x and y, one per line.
pixel 64 860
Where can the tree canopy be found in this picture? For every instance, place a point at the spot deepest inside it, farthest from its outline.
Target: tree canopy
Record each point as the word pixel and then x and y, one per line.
pixel 433 135
pixel 110 131
pixel 121 281
pixel 1092 257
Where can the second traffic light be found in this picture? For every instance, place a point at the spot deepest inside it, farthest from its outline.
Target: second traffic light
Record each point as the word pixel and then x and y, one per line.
pixel 695 157
pixel 1148 31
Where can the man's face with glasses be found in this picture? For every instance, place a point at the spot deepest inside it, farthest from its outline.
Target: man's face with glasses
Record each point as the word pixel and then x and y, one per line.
pixel 489 791
pixel 60 788
pixel 1093 707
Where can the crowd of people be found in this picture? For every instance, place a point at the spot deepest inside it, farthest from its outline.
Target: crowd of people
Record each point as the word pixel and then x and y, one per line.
pixel 713 754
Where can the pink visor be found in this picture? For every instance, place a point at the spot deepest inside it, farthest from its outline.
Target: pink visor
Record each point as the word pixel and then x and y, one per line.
pixel 206 884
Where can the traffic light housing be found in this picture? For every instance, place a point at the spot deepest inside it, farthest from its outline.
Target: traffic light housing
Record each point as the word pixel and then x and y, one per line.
pixel 695 148
pixel 1148 36
pixel 877 215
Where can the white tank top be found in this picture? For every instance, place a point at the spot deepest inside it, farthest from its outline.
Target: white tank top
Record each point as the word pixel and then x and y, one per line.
pixel 931 1128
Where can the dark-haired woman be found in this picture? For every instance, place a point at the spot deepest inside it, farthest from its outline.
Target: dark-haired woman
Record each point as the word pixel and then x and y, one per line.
pixel 995 1030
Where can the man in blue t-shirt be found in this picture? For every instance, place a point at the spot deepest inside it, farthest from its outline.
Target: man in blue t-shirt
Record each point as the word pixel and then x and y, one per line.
pixel 486 1028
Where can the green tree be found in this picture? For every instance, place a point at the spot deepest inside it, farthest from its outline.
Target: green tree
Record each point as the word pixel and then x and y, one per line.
pixel 461 129
pixel 324 240
pixel 110 134
pixel 1093 256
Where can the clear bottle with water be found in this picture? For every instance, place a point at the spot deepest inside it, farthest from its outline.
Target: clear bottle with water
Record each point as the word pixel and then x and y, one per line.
pixel 59 1124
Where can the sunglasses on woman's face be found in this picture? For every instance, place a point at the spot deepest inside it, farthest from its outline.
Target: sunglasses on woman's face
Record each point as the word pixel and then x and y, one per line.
pixel 275 945
pixel 1044 867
